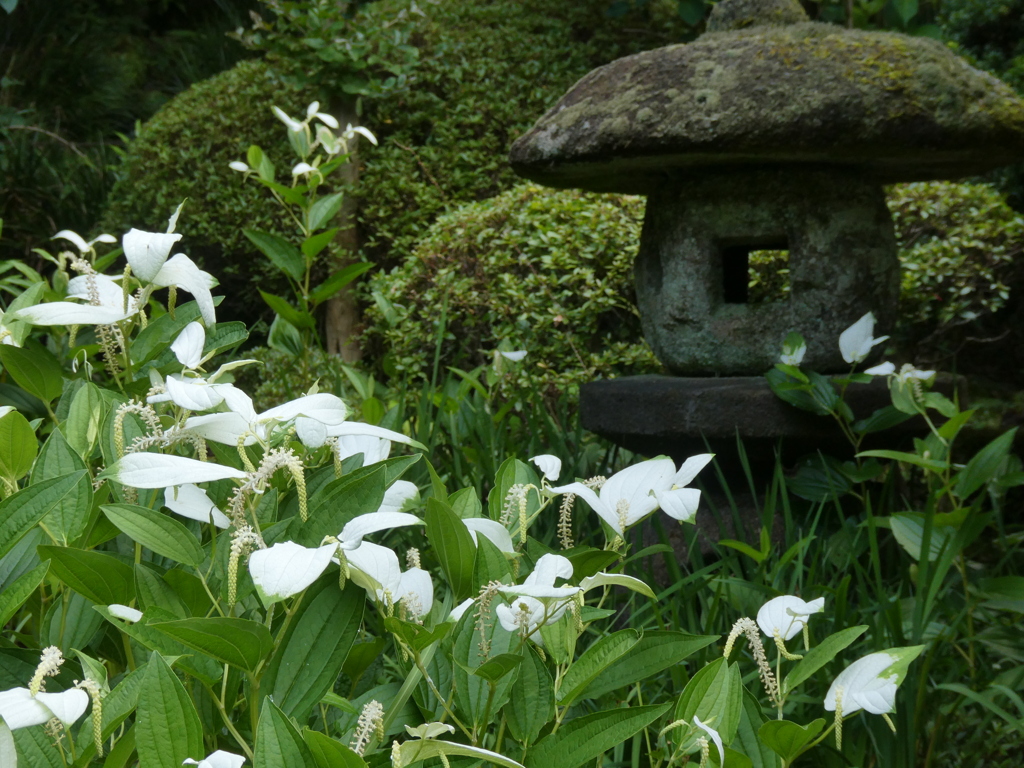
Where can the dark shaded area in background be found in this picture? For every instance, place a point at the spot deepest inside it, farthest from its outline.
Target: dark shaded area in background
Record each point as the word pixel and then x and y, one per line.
pixel 76 76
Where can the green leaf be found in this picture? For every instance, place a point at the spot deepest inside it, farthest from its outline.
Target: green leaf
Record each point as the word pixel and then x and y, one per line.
pixel 166 723
pixel 907 9
pixel 531 703
pixel 471 692
pixel 747 740
pixel 657 651
pixel 284 337
pixel 339 280
pixel 491 564
pixel 786 738
pixel 281 253
pixel 323 210
pixel 313 245
pixel 587 561
pixel 715 695
pixel 330 753
pixel 36 749
pixel 239 642
pixel 882 419
pixel 14 594
pixel 18 446
pixel 595 660
pixel 417 750
pixel 312 652
pixel 453 546
pixel 100 577
pixel 156 531
pixel 585 738
pixel 982 467
pixel 69 518
pixel 85 418
pixel 278 744
pixel 511 472
pixel 34 369
pixel 908 458
pixel 618 580
pixel 224 335
pixel 498 666
pixel 819 656
pixel 817 396
pixel 339 501
pixel 158 335
pixel 908 528
pixel 296 317
pixel 416 636
pixel 152 591
pixel 22 511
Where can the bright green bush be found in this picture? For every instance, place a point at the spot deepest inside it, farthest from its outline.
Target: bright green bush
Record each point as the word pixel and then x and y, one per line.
pixel 547 271
pixel 958 245
pixel 489 70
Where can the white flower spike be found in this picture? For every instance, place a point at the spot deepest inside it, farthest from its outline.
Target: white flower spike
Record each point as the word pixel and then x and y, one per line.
pixel 855 342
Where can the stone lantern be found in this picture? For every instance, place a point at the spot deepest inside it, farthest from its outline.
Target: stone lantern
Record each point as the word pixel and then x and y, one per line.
pixel 769 132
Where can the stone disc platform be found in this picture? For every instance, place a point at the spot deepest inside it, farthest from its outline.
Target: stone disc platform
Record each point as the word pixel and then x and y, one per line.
pixel 680 416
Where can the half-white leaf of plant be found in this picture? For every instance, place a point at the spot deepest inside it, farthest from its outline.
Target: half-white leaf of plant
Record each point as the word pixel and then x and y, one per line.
pixel 188 347
pixel 20 709
pixel 156 470
pixel 191 501
pixel 287 568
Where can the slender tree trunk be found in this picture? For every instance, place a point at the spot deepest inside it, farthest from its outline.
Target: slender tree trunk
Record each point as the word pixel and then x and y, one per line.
pixel 342 311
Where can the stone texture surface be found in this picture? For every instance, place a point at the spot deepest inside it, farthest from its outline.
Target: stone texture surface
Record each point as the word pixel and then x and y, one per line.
pixel 898 108
pixel 679 417
pixel 842 259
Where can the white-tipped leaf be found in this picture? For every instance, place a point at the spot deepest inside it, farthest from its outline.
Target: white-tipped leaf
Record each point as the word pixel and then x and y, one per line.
pixel 492 530
pixel 287 568
pixel 191 501
pixel 146 252
pixel 549 465
pixel 188 347
pixel 787 615
pixel 156 470
pixel 69 313
pixel 363 525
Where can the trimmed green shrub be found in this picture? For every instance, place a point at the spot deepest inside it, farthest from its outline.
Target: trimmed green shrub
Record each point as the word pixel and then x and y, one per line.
pixel 546 271
pixel 489 69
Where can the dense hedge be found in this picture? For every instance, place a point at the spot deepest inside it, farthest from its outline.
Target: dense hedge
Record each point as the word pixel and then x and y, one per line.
pixel 549 272
pixel 489 69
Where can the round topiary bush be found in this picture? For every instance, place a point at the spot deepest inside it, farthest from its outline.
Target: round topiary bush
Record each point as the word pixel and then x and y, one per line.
pixel 546 271
pixel 184 151
pixel 488 69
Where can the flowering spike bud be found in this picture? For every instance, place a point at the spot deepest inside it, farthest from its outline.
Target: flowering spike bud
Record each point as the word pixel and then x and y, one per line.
pixel 412 558
pixel 839 718
pixel 705 751
pixel 243 454
pixel 172 299
pixel 92 688
pixel 50 661
pixel 396 755
pixel 371 723
pixel 300 486
pixel 889 722
pixel 781 645
pixel 565 521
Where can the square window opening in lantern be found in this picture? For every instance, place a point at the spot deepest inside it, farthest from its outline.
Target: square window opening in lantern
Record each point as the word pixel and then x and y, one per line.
pixel 755 272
